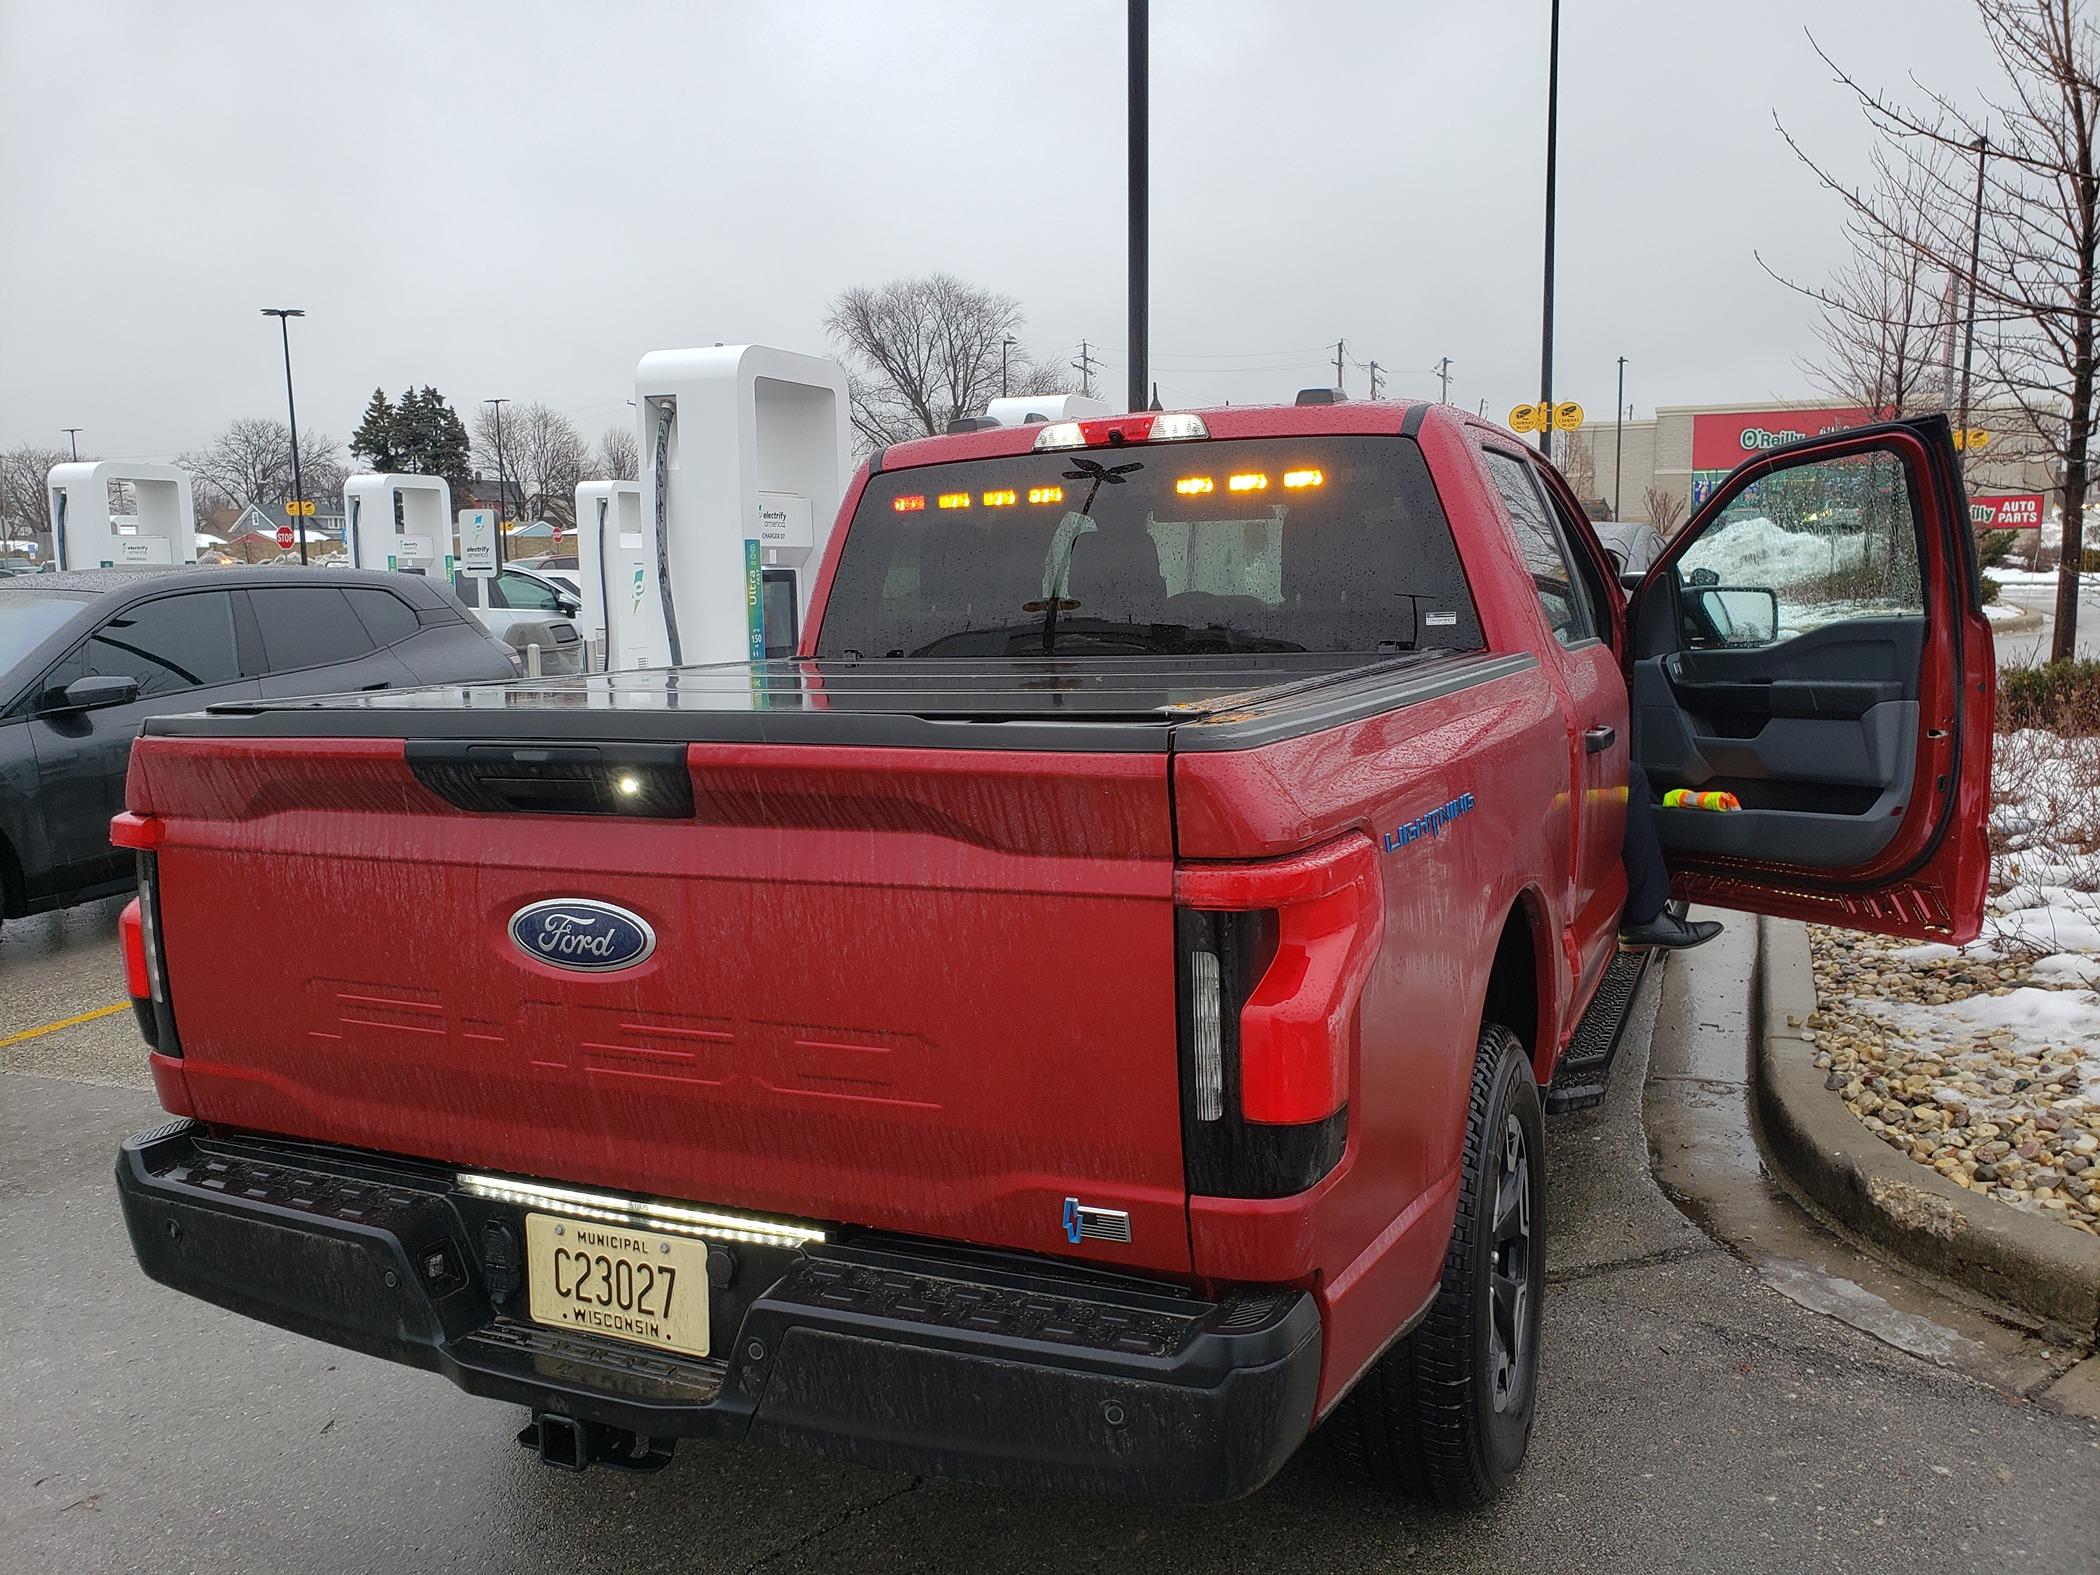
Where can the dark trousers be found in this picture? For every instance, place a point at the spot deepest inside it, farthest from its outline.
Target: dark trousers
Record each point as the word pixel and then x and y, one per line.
pixel 1647 882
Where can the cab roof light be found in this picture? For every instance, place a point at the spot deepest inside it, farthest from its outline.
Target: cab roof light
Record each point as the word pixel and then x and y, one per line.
pixel 1248 481
pixel 910 503
pixel 999 498
pixel 1303 478
pixel 1046 494
pixel 1194 486
pixel 1152 426
pixel 954 500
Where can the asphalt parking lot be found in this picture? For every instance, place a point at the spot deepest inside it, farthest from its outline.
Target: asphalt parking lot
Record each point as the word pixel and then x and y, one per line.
pixel 1691 1416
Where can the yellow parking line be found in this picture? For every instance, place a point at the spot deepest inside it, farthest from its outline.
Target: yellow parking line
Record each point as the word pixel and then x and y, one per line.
pixel 64 1022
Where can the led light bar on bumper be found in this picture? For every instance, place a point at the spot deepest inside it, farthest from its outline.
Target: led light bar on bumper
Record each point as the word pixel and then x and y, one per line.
pixel 675 1218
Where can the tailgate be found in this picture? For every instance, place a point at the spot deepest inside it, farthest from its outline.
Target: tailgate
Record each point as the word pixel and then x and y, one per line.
pixel 923 990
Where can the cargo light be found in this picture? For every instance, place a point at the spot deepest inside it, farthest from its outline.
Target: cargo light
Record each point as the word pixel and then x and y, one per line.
pixel 1191 486
pixel 1003 497
pixel 1248 481
pixel 954 500
pixel 1303 478
pixel 1046 494
pixel 909 505
pixel 1168 426
pixel 675 1218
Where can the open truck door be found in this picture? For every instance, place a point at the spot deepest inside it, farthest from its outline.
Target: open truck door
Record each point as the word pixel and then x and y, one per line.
pixel 1813 642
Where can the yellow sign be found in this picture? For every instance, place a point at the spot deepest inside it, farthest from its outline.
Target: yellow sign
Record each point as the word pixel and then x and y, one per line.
pixel 301 507
pixel 1542 417
pixel 1972 437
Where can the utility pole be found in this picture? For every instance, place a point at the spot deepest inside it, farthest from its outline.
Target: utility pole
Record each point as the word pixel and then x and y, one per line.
pixel 502 486
pixel 1968 334
pixel 73 437
pixel 1140 70
pixel 1443 372
pixel 1084 366
pixel 1005 345
pixel 1374 370
pixel 1339 346
pixel 284 315
pixel 1618 464
pixel 1552 153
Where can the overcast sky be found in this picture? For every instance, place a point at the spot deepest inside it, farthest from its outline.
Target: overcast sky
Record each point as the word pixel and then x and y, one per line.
pixel 520 198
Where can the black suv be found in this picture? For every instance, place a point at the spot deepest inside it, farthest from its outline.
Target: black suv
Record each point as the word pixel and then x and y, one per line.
pixel 86 656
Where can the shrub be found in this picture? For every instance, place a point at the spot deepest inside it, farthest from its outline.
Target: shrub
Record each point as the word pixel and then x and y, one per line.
pixel 1992 546
pixel 2059 697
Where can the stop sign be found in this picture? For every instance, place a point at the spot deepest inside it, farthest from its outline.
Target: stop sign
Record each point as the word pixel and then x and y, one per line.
pixel 285 538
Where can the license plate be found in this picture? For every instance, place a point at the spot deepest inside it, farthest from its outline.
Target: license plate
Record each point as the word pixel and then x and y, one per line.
pixel 617 1281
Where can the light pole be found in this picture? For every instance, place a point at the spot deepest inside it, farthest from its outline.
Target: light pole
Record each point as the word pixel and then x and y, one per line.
pixel 284 315
pixel 73 437
pixel 1552 150
pixel 1005 345
pixel 1618 464
pixel 1139 62
pixel 1968 335
pixel 502 486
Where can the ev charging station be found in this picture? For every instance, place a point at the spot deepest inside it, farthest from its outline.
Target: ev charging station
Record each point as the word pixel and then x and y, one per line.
pixel 418 542
pixel 622 610
pixel 744 460
pixel 85 535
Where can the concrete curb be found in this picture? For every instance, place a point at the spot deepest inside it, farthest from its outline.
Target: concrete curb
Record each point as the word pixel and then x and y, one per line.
pixel 2029 619
pixel 1820 1151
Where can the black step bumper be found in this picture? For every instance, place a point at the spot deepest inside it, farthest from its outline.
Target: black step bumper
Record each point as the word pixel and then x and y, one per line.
pixel 898 1355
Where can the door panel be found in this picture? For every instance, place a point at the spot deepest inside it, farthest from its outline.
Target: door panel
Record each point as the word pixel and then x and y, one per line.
pixel 1813 643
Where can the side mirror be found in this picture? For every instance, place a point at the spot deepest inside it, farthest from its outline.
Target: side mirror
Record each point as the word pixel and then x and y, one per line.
pixel 567 607
pixel 1740 614
pixel 1631 580
pixel 94 694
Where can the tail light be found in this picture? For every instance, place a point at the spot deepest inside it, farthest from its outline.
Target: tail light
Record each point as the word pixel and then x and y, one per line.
pixel 138 932
pixel 1272 963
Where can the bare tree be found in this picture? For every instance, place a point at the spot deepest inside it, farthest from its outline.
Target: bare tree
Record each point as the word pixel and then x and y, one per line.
pixel 2036 282
pixel 1665 509
pixel 619 455
pixel 251 463
pixel 25 510
pixel 543 457
pixel 1887 313
pixel 919 352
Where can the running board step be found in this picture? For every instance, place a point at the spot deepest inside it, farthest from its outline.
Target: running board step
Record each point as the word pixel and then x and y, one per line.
pixel 1585 1068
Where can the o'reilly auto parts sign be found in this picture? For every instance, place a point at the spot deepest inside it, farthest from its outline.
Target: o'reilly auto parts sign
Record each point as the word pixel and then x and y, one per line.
pixel 1722 440
pixel 2007 511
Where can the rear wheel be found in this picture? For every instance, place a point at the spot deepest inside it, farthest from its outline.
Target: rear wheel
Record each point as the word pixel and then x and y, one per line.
pixel 1445 1415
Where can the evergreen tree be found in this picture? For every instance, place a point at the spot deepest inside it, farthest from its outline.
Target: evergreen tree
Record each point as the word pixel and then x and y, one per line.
pixel 377 440
pixel 446 452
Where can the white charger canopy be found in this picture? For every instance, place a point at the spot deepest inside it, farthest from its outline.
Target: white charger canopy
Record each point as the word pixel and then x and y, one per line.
pixel 85 535
pixel 399 521
pixel 1020 409
pixel 744 460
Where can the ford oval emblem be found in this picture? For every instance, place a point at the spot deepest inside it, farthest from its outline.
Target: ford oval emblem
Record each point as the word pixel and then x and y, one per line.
pixel 578 933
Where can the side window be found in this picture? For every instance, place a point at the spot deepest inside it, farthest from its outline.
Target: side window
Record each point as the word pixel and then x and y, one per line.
pixel 1566 526
pixel 386 617
pixel 1811 544
pixel 307 626
pixel 1545 554
pixel 169 644
pixel 525 594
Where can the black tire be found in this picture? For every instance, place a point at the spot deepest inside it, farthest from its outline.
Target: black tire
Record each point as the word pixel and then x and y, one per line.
pixel 1445 1414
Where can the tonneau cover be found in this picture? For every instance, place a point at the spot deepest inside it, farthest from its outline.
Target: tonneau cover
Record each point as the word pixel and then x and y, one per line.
pixel 1115 704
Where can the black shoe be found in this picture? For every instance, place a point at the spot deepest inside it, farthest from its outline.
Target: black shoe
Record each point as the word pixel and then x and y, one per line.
pixel 1667 929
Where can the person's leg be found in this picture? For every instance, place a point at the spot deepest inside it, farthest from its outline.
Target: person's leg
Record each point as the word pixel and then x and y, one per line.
pixel 1647 920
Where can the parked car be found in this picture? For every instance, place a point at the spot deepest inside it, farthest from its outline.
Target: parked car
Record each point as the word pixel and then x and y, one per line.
pixel 1087 1019
pixel 87 655
pixel 1632 547
pixel 513 603
pixel 560 567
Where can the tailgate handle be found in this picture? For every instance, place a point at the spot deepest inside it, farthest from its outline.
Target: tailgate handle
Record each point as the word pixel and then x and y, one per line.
pixel 632 781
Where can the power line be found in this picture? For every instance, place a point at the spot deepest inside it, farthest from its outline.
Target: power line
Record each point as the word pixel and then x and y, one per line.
pixel 1085 367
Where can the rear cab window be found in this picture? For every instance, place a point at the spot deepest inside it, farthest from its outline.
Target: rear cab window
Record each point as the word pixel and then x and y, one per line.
pixel 1312 544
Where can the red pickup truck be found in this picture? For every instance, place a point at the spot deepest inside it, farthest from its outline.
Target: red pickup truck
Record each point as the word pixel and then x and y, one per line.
pixel 1085 1020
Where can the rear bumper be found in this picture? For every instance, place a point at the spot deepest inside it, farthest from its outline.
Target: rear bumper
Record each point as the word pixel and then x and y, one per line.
pixel 898 1355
